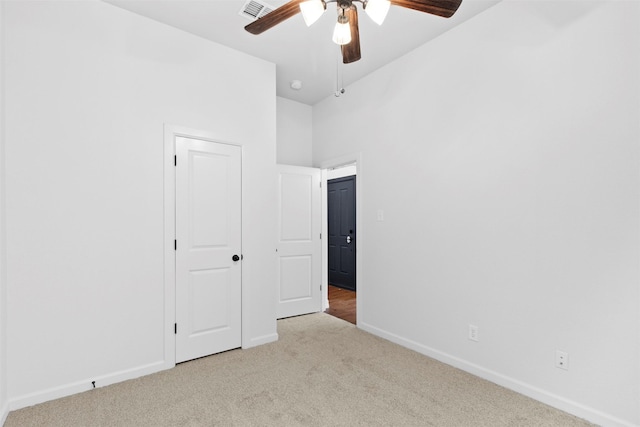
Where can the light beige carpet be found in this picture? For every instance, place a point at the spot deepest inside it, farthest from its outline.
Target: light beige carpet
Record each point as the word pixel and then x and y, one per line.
pixel 322 372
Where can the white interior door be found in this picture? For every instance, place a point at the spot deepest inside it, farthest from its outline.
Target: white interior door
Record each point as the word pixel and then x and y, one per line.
pixel 208 227
pixel 298 247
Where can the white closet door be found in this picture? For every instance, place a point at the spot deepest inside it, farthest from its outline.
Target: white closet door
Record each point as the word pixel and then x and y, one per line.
pixel 208 241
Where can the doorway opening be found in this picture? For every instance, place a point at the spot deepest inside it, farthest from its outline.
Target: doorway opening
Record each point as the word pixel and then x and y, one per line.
pixel 341 242
pixel 342 304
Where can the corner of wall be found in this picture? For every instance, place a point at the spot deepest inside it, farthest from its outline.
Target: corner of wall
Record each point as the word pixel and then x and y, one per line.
pixel 4 409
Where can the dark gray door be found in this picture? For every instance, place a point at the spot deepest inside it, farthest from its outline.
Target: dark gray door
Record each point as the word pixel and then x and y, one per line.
pixel 341 201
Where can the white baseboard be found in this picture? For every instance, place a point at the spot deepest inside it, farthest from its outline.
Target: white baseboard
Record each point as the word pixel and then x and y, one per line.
pixel 105 380
pixel 265 339
pixel 4 412
pixel 84 385
pixel 559 402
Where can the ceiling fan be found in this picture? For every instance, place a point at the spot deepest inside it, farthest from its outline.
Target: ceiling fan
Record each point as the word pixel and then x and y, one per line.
pixel 346 32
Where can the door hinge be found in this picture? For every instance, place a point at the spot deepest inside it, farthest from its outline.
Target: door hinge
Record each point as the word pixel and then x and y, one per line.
pixel 175 160
pixel 320 236
pixel 175 245
pixel 175 328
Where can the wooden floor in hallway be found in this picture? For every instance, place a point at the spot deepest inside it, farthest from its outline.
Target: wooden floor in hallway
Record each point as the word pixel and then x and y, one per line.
pixel 342 304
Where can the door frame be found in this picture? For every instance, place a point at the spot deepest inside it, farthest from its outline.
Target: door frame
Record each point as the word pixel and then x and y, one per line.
pixel 349 159
pixel 169 235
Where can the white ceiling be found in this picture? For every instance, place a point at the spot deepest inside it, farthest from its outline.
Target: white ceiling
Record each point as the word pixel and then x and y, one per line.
pixel 301 52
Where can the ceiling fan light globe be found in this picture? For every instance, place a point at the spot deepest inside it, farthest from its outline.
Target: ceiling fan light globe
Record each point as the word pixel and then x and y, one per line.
pixel 377 10
pixel 342 33
pixel 311 10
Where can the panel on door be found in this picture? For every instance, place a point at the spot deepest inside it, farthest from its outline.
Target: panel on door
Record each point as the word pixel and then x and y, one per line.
pixel 298 246
pixel 208 227
pixel 341 201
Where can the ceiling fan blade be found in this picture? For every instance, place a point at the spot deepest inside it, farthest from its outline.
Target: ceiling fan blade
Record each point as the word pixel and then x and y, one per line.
pixel 275 17
pixel 351 51
pixel 444 8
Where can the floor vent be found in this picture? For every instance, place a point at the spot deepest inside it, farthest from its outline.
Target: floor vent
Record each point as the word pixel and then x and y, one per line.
pixel 254 9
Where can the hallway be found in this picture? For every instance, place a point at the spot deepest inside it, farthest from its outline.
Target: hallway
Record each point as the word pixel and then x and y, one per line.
pixel 342 304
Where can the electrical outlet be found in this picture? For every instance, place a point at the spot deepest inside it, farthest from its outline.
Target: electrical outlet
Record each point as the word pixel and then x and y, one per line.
pixel 562 360
pixel 473 332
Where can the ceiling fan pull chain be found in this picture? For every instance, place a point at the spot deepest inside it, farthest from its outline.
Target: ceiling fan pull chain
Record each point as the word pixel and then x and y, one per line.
pixel 339 80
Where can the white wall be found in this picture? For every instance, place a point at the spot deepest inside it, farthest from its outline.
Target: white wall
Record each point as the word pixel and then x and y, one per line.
pixel 3 311
pixel 293 133
pixel 89 88
pixel 505 156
